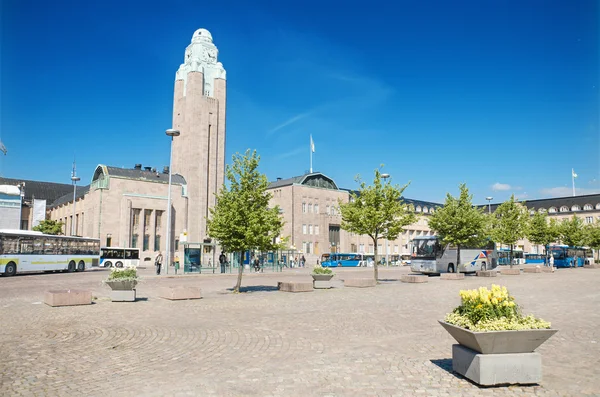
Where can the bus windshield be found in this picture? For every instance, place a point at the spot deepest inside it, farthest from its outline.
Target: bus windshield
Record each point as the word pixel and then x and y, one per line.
pixel 425 249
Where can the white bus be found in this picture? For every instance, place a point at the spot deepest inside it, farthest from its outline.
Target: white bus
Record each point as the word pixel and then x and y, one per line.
pixel 431 257
pixel 119 257
pixel 27 251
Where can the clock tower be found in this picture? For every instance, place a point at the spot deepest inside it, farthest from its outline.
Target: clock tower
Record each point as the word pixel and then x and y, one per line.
pixel 199 114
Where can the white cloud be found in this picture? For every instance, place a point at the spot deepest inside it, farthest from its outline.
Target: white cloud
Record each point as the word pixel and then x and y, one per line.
pixel 565 191
pixel 290 121
pixel 501 187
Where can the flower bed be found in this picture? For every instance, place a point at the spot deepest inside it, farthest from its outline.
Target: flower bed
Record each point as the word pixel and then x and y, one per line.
pixel 484 310
pixel 318 269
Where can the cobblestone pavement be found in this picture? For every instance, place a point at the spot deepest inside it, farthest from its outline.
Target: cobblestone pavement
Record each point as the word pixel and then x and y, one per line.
pixel 382 341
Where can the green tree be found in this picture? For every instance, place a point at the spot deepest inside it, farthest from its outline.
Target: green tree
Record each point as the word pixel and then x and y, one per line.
pixel 458 222
pixel 377 211
pixel 592 237
pixel 242 220
pixel 49 226
pixel 510 223
pixel 571 232
pixel 541 231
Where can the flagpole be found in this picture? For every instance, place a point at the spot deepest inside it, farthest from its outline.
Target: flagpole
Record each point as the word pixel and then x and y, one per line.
pixel 310 148
pixel 573 180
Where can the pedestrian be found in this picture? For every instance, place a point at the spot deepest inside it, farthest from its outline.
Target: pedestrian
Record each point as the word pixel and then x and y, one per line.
pixel 176 263
pixel 552 262
pixel 222 261
pixel 302 261
pixel 158 262
pixel 575 259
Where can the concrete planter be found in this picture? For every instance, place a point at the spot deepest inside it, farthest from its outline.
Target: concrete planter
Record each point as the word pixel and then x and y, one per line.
pixel 121 285
pixel 498 357
pixel 322 281
pixel 499 342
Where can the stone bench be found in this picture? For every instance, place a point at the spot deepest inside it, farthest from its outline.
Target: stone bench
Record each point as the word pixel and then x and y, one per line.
pixel 360 282
pixel 180 293
pixel 487 273
pixel 452 276
pixel 295 286
pixel 68 297
pixel 414 278
pixel 510 272
pixel 535 269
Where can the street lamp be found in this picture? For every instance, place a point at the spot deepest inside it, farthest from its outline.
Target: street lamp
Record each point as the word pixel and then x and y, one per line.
pixel 489 199
pixel 22 196
pixel 74 180
pixel 172 133
pixel 385 176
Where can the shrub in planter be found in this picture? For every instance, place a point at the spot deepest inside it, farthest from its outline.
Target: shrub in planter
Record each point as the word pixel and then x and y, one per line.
pixel 484 310
pixel 122 278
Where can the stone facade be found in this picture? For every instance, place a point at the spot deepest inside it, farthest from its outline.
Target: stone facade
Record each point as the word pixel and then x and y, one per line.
pixel 199 114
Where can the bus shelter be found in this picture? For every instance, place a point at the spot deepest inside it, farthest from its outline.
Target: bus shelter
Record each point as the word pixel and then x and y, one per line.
pixel 200 258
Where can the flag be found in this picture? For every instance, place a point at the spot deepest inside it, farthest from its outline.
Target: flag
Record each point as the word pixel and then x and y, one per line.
pixel 573 173
pixel 3 148
pixel 312 145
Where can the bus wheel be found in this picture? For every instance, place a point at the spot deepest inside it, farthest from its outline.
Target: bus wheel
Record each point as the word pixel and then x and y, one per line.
pixel 10 269
pixel 119 264
pixel 81 266
pixel 71 267
pixel 451 268
pixel 107 264
pixel 483 266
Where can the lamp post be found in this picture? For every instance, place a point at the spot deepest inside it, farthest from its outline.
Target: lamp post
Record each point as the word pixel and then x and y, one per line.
pixel 385 176
pixel 489 199
pixel 172 133
pixel 22 196
pixel 74 179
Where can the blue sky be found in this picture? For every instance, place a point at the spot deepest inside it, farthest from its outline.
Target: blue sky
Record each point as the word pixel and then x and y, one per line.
pixel 501 95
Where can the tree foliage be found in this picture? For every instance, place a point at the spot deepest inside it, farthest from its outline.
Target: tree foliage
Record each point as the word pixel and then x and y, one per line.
pixel 541 231
pixel 571 232
pixel 592 236
pixel 458 222
pixel 377 211
pixel 510 223
pixel 49 226
pixel 242 220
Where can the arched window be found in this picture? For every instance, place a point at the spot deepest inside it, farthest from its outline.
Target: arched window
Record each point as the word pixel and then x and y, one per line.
pixel 431 210
pixel 598 206
pixel 425 210
pixel 588 207
pixel 552 210
pixel 542 210
pixel 564 208
pixel 418 209
pixel 575 208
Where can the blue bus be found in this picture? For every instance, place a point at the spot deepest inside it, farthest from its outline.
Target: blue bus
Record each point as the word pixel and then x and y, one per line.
pixel 344 260
pixel 535 258
pixel 504 253
pixel 565 256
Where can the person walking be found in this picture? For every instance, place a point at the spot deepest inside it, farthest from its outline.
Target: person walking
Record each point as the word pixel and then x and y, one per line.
pixel 552 262
pixel 222 261
pixel 158 263
pixel 302 261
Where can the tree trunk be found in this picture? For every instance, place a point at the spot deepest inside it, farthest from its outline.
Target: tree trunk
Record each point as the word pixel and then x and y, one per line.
pixel 375 272
pixel 510 260
pixel 457 258
pixel 240 272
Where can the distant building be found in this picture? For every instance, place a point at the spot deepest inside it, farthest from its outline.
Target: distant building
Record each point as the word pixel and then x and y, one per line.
pixel 309 206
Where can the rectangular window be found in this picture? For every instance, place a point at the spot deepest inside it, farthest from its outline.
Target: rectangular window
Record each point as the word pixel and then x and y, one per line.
pixel 371 248
pixel 379 248
pixel 158 223
pixel 157 243
pixel 134 240
pixel 303 229
pixel 146 246
pixel 82 225
pixel 304 246
pixel 177 245
pixel 589 219
pixel 316 229
pixel 309 247
pixel 316 207
pixel 310 229
pixel 147 215
pixel 77 224
pixel 303 208
pixel 327 209
pixel 317 247
pixel 353 247
pixel 361 248
pixel 309 207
